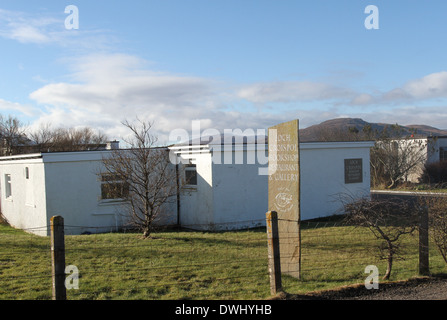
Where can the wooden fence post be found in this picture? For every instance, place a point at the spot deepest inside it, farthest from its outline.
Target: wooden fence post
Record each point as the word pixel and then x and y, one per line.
pixel 273 252
pixel 423 243
pixel 58 257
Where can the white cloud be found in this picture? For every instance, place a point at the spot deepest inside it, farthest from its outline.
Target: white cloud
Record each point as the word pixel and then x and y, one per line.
pixel 103 90
pixel 362 99
pixel 44 28
pixel 432 86
pixel 27 28
pixel 107 89
pixel 27 34
pixel 292 91
pixel 435 116
pixel 14 107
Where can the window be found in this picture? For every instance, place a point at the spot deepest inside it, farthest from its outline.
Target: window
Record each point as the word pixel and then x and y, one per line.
pixel 27 173
pixel 442 154
pixel 113 187
pixel 191 175
pixel 8 187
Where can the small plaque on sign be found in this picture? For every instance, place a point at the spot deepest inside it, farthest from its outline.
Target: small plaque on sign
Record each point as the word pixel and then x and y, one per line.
pixel 353 171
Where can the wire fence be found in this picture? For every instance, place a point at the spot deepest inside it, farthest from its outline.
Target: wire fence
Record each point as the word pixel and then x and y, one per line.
pixel 190 264
pixel 172 264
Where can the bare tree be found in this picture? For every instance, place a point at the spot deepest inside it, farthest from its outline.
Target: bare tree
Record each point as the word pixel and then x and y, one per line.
pixel 148 178
pixel 66 139
pixel 388 220
pixel 12 134
pixel 437 213
pixel 395 157
pixel 42 136
pixel 15 139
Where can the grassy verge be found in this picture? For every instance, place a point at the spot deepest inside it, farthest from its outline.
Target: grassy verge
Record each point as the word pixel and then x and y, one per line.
pixel 172 265
pixel 192 265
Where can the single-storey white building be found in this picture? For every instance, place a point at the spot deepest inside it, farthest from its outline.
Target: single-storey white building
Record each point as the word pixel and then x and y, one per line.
pixel 421 151
pixel 436 149
pixel 231 189
pixel 220 194
pixel 35 187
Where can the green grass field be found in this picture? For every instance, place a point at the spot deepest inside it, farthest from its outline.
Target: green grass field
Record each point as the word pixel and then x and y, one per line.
pixel 193 265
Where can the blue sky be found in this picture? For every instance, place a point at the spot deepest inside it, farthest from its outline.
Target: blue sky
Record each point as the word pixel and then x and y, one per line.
pixel 231 64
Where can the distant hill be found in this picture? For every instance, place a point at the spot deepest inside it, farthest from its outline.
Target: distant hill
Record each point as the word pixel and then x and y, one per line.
pixel 428 129
pixel 352 129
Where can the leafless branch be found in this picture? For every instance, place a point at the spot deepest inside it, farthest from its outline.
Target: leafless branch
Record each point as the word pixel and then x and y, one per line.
pixel 149 176
pixel 387 219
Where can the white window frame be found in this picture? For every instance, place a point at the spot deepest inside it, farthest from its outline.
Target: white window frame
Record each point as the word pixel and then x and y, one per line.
pixel 8 186
pixel 107 182
pixel 191 168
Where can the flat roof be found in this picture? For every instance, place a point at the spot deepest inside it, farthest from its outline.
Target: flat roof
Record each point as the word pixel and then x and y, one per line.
pixel 253 146
pixel 55 156
pixel 61 156
pixel 206 145
pixel 226 139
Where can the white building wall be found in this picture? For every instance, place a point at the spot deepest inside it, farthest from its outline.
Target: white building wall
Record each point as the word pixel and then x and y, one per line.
pixel 197 202
pixel 74 192
pixel 26 208
pixel 240 195
pixel 236 195
pixel 323 177
pixel 434 146
pixel 73 183
pixel 66 184
pixel 430 153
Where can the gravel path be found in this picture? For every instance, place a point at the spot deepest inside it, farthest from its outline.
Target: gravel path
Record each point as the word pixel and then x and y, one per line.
pixel 431 288
pixel 428 289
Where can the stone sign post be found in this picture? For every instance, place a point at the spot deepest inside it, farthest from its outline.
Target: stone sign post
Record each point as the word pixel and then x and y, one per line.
pixel 284 192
